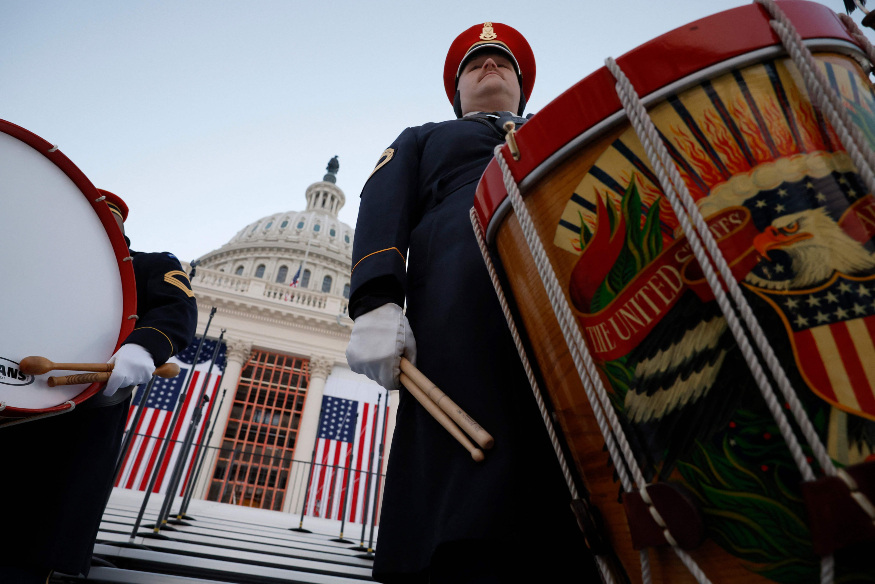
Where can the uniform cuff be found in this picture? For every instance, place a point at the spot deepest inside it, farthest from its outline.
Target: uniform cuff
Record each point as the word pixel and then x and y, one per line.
pixel 375 293
pixel 153 340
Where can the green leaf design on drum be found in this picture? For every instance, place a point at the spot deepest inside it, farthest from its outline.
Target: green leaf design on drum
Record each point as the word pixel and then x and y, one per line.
pixel 642 244
pixel 757 513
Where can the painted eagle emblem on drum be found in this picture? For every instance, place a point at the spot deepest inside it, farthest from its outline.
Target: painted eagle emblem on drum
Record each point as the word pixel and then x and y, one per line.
pixel 689 372
pixel 796 225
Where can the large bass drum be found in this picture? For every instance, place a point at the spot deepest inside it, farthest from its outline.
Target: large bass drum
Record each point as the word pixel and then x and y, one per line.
pixel 68 290
pixel 795 221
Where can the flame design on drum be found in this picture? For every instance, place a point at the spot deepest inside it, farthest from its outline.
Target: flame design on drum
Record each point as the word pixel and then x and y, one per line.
pixel 796 224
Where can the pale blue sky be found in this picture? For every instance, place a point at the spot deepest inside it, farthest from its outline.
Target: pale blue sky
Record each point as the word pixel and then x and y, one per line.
pixel 205 116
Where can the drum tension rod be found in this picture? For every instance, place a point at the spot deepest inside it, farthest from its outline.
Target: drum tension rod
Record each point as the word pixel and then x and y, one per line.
pixel 510 128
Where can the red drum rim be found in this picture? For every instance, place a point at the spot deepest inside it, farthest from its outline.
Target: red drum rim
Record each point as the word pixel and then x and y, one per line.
pixel 120 248
pixel 727 39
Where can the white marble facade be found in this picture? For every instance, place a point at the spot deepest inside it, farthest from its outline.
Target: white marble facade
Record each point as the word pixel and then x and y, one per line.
pixel 248 279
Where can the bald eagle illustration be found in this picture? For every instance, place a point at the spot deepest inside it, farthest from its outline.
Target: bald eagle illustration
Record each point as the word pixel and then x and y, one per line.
pixel 817 247
pixel 689 374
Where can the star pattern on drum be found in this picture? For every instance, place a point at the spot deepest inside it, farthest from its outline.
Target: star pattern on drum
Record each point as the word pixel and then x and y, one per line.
pixel 843 299
pixel 832 192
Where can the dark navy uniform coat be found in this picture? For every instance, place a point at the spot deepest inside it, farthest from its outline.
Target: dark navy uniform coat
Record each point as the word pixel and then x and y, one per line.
pixel 57 472
pixel 417 203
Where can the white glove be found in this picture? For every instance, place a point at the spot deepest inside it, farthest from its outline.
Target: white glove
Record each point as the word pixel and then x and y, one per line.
pixel 133 366
pixel 379 339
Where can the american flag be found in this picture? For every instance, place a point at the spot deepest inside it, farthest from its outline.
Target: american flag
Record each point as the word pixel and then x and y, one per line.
pixel 344 445
pixel 294 282
pixel 154 424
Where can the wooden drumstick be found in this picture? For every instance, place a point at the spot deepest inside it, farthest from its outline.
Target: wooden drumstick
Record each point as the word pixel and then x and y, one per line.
pixel 40 365
pixel 441 417
pixel 167 370
pixel 466 422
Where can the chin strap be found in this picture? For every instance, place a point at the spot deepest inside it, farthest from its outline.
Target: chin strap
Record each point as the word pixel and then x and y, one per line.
pixel 457 104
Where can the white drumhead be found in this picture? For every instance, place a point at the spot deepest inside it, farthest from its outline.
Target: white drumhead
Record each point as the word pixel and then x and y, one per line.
pixel 61 291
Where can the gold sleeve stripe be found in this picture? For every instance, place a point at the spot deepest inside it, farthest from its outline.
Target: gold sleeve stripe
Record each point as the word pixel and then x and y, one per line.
pixel 165 336
pixel 375 253
pixel 170 279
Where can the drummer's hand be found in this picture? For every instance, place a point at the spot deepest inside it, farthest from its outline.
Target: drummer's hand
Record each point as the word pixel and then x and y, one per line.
pixel 379 339
pixel 133 366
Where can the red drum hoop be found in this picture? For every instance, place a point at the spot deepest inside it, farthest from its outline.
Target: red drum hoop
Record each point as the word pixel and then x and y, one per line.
pixel 119 248
pixel 558 129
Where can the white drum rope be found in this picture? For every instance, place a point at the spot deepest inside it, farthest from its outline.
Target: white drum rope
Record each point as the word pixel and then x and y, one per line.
pixel 40 416
pixel 517 341
pixel 851 139
pixel 602 563
pixel 661 162
pixel 592 383
pixel 610 426
pixel 671 183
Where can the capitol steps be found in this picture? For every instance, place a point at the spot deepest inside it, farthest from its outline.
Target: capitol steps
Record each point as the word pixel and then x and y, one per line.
pixel 223 544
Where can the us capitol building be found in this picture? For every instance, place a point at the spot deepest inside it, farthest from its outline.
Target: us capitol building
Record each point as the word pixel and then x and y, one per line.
pixel 285 344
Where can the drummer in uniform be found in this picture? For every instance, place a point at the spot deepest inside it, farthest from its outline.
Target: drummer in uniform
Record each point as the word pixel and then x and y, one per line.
pixel 59 470
pixel 447 518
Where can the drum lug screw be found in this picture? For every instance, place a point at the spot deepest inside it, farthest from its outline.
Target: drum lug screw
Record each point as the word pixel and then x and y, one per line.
pixel 510 128
pixel 100 198
pixel 53 148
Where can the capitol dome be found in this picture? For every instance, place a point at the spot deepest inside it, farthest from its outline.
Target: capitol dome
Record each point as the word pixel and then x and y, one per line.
pixel 285 352
pixel 276 247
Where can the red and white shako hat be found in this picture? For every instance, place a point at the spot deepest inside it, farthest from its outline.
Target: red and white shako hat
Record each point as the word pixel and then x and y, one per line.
pixel 115 203
pixel 490 35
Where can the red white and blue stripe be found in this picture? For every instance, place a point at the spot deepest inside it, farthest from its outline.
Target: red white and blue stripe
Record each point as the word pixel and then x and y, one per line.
pixel 141 460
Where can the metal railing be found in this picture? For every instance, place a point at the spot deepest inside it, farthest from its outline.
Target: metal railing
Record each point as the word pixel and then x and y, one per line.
pixel 263 480
pixel 280 293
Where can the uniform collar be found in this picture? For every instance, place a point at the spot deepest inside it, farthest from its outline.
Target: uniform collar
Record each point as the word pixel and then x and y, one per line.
pixel 494 120
pixel 489 114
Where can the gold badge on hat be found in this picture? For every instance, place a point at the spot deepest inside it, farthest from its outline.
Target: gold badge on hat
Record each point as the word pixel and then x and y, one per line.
pixel 488 34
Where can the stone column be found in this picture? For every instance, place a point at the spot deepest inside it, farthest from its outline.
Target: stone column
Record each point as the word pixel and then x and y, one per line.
pixel 236 355
pixel 320 369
